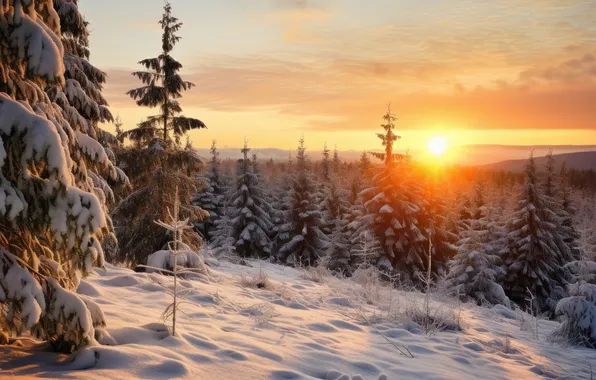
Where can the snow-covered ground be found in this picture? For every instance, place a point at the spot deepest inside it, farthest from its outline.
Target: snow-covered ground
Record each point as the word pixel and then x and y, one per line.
pixel 293 328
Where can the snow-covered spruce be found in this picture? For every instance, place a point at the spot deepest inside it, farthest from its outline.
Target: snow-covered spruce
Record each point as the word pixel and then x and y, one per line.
pixel 392 208
pixel 155 163
pixel 533 259
pixel 476 269
pixel 250 223
pixel 210 198
pixel 84 107
pixel 434 222
pixel 337 252
pixel 53 190
pixel 326 164
pixel 302 237
pixel 570 235
pixel 335 206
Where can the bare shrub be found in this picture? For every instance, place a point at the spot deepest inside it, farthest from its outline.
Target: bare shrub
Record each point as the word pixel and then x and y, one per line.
pixel 258 281
pixel 319 274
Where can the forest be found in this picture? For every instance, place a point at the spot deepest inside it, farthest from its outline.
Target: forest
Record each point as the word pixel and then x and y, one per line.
pixel 75 197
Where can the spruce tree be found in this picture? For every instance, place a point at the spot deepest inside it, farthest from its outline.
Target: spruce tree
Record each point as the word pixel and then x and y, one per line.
pixel 533 257
pixel 476 270
pixel 435 225
pixel 337 251
pixel 162 88
pixel 84 107
pixel 118 130
pixel 251 224
pixel 336 161
pixel 302 235
pixel 364 165
pixel 210 199
pixel 479 201
pixel 571 235
pixel 54 171
pixel 336 205
pixel 155 164
pixel 393 207
pixel 464 217
pixel 326 164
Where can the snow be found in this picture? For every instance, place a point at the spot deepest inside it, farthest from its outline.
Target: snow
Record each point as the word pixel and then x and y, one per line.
pixel 18 284
pixel 165 260
pixel 292 329
pixel 38 44
pixel 40 137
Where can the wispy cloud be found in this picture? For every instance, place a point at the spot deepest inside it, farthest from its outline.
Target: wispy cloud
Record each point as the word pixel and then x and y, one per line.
pixel 463 64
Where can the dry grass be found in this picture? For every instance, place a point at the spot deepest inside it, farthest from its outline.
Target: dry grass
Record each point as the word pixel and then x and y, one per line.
pixel 258 281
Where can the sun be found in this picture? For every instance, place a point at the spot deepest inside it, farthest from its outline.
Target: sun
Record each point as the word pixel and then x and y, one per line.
pixel 437 146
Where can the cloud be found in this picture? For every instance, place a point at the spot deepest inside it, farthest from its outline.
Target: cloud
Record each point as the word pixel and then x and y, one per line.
pixel 484 68
pixel 577 70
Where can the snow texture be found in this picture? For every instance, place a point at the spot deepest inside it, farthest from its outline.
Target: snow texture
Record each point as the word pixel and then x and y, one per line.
pixel 297 330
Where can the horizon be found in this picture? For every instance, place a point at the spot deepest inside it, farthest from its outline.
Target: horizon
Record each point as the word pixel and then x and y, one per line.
pixel 298 69
pixel 468 155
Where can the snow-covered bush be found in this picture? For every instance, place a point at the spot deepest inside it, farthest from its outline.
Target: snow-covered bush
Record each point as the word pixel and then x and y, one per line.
pixel 165 260
pixel 578 312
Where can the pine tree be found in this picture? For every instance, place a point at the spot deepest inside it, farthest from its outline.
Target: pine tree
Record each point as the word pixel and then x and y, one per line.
pixel 251 224
pixel 326 164
pixel 433 221
pixel 364 165
pixel 571 235
pixel 154 163
pixel 84 107
pixel 162 88
pixel 336 205
pixel 336 161
pixel 464 206
pixel 554 202
pixel 476 270
pixel 360 178
pixel 479 201
pixel 393 206
pixel 337 252
pixel 222 242
pixel 388 139
pixel 304 240
pixel 210 199
pixel 53 169
pixel 533 257
pixel 119 132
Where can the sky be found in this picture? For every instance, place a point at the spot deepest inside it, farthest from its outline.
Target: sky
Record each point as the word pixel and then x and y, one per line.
pixel 512 72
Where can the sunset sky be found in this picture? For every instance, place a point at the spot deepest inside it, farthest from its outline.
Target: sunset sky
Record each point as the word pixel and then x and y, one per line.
pixel 516 72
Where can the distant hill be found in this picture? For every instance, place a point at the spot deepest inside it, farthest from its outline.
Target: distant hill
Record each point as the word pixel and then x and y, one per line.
pixel 464 155
pixel 578 160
